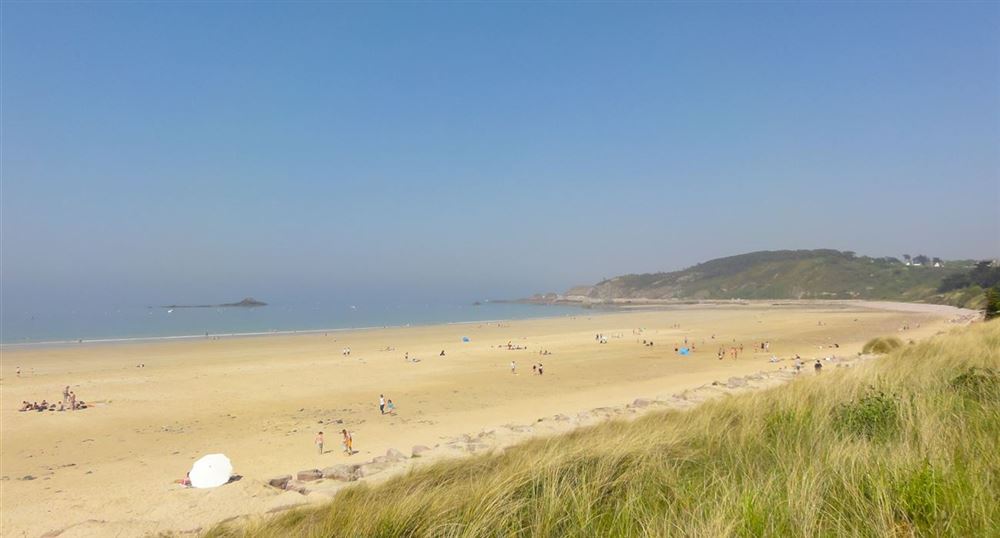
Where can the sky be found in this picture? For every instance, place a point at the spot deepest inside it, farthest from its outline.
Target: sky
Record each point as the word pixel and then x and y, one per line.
pixel 202 152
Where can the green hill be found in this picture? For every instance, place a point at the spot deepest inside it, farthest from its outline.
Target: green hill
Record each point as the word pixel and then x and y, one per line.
pixel 787 274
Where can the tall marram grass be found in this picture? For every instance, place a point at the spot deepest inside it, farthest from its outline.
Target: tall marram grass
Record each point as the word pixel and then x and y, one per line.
pixel 906 445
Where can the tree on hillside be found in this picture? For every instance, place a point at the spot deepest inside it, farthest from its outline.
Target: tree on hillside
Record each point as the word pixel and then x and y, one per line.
pixel 921 259
pixel 992 303
pixel 906 258
pixel 937 261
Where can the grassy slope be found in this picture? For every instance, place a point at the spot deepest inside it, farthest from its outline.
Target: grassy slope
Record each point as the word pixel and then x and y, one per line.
pixel 790 461
pixel 798 274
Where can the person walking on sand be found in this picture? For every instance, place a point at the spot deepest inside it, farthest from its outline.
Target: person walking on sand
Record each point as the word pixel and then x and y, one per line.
pixel 348 442
pixel 319 442
pixel 513 367
pixel 65 399
pixel 381 403
pixel 818 366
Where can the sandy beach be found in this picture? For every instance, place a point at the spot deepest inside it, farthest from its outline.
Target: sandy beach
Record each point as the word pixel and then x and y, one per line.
pixel 109 470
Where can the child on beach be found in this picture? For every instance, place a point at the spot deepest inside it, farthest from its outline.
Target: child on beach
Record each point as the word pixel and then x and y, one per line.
pixel 391 407
pixel 319 442
pixel 381 403
pixel 348 442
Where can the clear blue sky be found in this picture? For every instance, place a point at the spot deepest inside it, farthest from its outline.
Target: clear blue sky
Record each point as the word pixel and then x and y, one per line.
pixel 206 151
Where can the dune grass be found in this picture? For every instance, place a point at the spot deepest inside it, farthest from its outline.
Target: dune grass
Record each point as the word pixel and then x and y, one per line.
pixel 905 445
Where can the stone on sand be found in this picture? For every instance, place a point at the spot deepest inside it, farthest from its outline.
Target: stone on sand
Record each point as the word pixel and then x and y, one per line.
pixel 419 449
pixel 285 501
pixel 369 469
pixel 279 481
pixel 344 473
pixel 296 486
pixel 735 382
pixel 394 455
pixel 309 475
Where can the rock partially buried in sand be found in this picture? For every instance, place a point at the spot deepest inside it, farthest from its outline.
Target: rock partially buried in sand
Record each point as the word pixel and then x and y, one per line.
pixel 419 449
pixel 369 469
pixel 344 473
pixel 394 455
pixel 279 481
pixel 297 486
pixel 642 402
pixel 735 382
pixel 285 501
pixel 309 475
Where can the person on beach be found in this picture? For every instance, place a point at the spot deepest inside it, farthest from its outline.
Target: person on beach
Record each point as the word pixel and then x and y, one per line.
pixel 65 399
pixel 348 442
pixel 540 371
pixel 319 442
pixel 186 481
pixel 513 367
pixel 818 366
pixel 381 403
pixel 391 407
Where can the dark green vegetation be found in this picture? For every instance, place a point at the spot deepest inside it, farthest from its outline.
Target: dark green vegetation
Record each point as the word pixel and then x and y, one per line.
pixel 807 274
pixel 882 344
pixel 902 445
pixel 992 303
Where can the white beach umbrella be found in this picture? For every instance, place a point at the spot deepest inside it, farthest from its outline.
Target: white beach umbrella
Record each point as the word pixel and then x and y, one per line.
pixel 211 471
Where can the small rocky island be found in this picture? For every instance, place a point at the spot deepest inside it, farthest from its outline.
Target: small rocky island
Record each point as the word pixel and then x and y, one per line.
pixel 249 302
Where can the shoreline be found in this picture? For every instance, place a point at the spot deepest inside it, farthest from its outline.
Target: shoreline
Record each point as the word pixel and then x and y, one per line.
pixel 288 332
pixel 646 305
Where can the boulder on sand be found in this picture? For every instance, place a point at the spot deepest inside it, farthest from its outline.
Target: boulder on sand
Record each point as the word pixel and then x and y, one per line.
pixel 297 486
pixel 419 449
pixel 369 469
pixel 344 473
pixel 735 382
pixel 309 475
pixel 642 402
pixel 279 481
pixel 394 455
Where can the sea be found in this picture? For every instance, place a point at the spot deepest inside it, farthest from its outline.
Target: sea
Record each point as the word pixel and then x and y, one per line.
pixel 53 326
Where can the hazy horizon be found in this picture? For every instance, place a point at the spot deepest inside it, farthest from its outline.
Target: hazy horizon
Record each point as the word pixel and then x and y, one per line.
pixel 201 153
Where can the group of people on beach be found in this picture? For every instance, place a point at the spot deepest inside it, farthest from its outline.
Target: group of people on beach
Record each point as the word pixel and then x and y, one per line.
pixel 68 401
pixel 347 443
pixel 536 369
pixel 386 407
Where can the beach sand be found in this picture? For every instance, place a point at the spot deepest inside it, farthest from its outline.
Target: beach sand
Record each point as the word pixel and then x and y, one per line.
pixel 109 470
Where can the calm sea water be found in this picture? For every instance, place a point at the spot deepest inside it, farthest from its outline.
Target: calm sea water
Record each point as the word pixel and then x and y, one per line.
pixel 27 327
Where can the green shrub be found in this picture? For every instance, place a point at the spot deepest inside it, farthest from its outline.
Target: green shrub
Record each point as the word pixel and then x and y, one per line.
pixel 875 416
pixel 977 383
pixel 882 345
